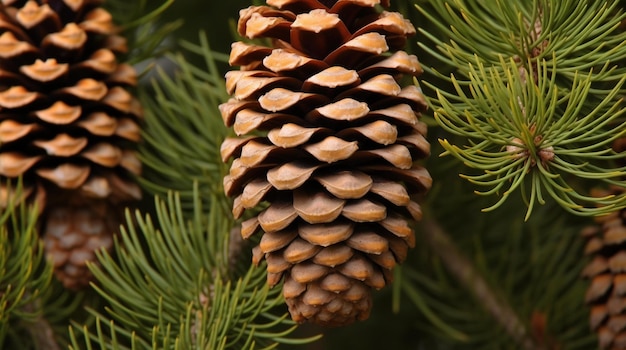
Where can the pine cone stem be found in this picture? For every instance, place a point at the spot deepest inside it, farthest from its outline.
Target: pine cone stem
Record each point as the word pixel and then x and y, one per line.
pixel 464 271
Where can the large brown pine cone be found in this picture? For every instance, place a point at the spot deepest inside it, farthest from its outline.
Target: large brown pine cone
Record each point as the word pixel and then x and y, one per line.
pixel 328 142
pixel 68 125
pixel 606 294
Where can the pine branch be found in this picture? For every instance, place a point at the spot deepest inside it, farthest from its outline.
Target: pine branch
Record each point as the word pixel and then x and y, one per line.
pixel 533 137
pixel 531 266
pixel 536 97
pixel 170 284
pixel 183 130
pixel 24 275
pixel 462 268
pixel 579 35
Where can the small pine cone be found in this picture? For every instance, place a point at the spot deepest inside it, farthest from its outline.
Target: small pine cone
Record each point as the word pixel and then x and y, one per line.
pixel 73 235
pixel 328 139
pixel 68 125
pixel 606 294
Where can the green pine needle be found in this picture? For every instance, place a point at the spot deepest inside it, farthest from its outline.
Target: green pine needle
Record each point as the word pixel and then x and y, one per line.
pixel 536 94
pixel 533 267
pixel 170 286
pixel 522 131
pixel 581 35
pixel 183 128
pixel 142 27
pixel 24 274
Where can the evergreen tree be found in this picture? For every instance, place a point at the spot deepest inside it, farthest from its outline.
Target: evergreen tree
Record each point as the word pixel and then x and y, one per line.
pixel 122 138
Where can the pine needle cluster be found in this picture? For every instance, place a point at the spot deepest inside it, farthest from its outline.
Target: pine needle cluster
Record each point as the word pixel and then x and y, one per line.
pixel 170 283
pixel 183 130
pixel 536 98
pixel 24 274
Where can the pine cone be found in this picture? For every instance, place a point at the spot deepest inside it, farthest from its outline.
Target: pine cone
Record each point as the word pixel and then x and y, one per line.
pixel 328 141
pixel 606 294
pixel 74 233
pixel 68 125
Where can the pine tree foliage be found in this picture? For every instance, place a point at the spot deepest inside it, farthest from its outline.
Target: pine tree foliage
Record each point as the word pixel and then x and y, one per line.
pixel 534 272
pixel 183 128
pixel 534 138
pixel 59 308
pixel 536 96
pixel 24 275
pixel 582 36
pixel 170 288
pixel 141 23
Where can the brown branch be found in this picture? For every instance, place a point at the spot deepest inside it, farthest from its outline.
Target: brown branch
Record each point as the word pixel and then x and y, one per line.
pixel 463 269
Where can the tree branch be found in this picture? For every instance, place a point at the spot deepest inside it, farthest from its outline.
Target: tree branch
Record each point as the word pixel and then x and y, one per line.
pixel 463 269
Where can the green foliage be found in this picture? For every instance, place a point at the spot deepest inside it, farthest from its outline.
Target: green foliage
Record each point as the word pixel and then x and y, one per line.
pixel 183 128
pixel 170 288
pixel 536 98
pixel 531 108
pixel 59 307
pixel 140 23
pixel 579 35
pixel 532 136
pixel 531 266
pixel 24 275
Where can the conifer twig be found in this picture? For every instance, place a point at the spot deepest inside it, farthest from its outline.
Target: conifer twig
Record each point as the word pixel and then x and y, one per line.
pixel 40 329
pixel 463 269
